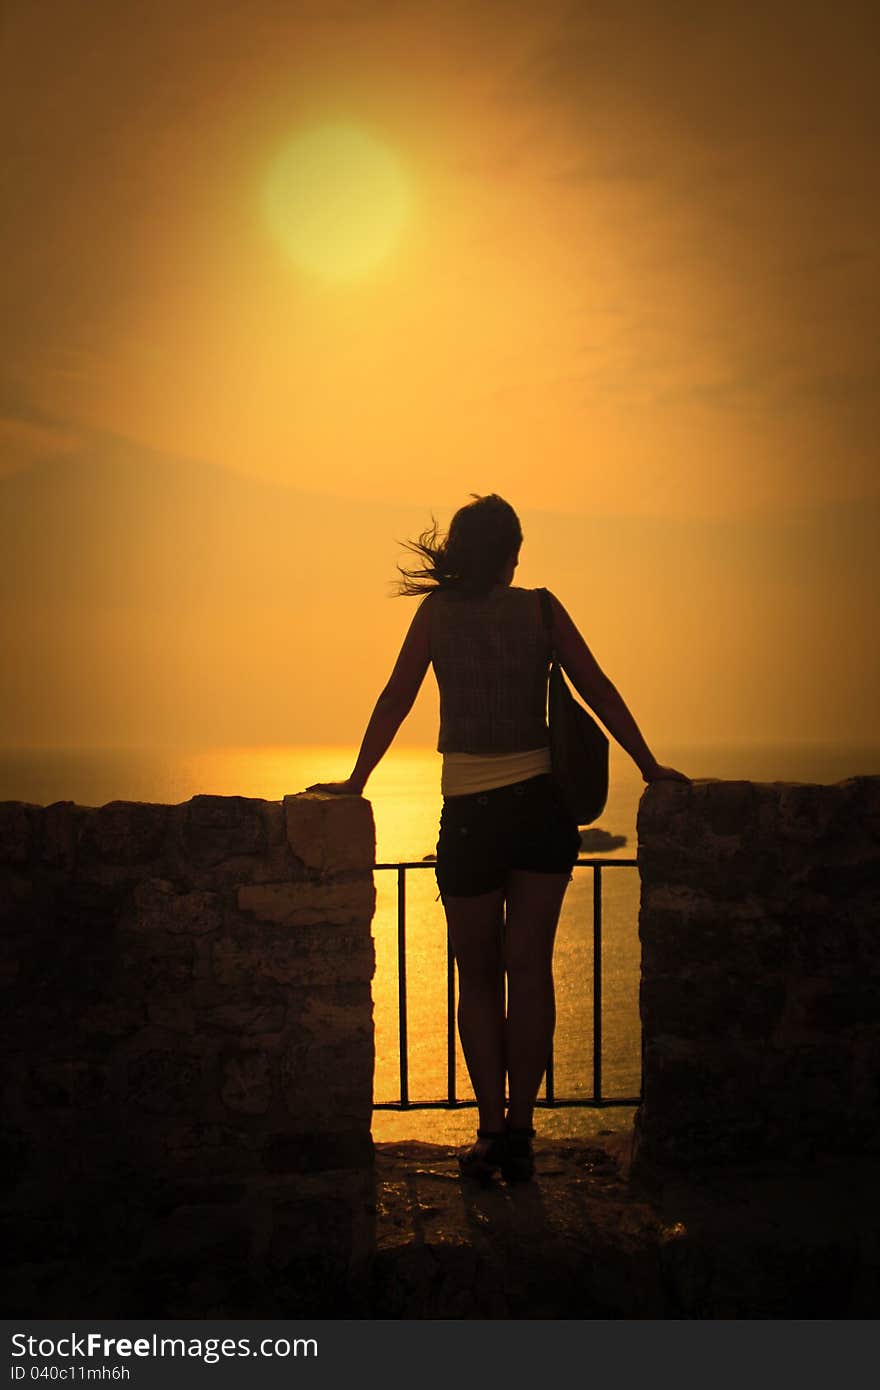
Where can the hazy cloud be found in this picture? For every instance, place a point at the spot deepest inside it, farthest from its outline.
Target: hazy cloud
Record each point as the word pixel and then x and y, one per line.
pixel 690 189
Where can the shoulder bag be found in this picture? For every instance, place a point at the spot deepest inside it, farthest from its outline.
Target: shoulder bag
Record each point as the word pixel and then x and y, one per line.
pixel 578 747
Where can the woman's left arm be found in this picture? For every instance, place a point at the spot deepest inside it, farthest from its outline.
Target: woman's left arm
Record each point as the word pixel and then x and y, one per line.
pixel 392 706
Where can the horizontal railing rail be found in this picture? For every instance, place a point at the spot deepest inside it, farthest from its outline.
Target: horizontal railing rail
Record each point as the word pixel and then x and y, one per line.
pixel 452 1101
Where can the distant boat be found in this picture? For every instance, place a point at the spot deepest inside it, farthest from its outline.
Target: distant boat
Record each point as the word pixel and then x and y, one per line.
pixel 593 841
pixel 598 841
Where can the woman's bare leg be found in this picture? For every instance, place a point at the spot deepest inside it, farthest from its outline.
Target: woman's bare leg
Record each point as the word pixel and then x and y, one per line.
pixel 475 929
pixel 533 905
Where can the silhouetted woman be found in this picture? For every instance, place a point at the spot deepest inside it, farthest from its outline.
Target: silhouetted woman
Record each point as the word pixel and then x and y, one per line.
pixel 507 842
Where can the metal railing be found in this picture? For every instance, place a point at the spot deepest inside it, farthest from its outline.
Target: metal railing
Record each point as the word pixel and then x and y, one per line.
pixel 452 1101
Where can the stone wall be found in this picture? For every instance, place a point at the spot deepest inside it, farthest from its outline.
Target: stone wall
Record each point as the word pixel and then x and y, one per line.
pixel 760 937
pixel 188 1046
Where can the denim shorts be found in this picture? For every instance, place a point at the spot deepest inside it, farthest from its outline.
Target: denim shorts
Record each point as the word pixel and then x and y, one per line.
pixel 486 834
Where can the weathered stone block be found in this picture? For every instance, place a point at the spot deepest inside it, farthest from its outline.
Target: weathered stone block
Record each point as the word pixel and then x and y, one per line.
pixel 244 1016
pixel 306 904
pixel 841 880
pixel 217 827
pixel 68 1081
pixel 174 1012
pixel 846 1004
pixel 748 945
pixel 804 812
pixel 866 793
pixel 125 832
pixel 163 1082
pixel 16 831
pixel 333 1080
pixel 156 962
pixel 158 1032
pixel 275 821
pixel 331 833
pixel 318 955
pixel 665 864
pixel 812 1091
pixel 246 1085
pixel 660 802
pixel 708 1000
pixel 818 939
pixel 17 1156
pixel 760 970
pixel 111 1018
pixel 187 1149
pixel 728 807
pixel 337 1016
pixel 679 901
pixel 156 905
pixel 706 1098
pixel 17 891
pixel 277 865
pixel 63 825
pixel 90 908
pixel 9 972
pixel 317 1151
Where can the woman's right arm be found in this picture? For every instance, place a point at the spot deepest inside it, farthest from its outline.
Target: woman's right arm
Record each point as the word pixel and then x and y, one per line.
pixel 393 705
pixel 603 697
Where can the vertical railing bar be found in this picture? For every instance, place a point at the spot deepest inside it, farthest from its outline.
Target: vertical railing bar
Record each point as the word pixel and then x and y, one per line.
pixel 450 1020
pixel 401 983
pixel 549 1094
pixel 597 982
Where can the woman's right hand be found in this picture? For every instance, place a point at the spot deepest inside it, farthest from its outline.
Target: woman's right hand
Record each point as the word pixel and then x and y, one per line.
pixel 347 788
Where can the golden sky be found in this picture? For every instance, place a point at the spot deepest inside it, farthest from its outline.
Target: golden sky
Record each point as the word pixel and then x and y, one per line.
pixel 635 290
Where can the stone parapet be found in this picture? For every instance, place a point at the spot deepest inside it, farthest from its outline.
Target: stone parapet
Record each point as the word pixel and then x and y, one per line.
pixel 760 932
pixel 188 1043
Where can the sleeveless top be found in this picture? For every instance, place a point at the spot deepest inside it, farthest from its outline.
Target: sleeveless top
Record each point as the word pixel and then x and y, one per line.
pixel 491 657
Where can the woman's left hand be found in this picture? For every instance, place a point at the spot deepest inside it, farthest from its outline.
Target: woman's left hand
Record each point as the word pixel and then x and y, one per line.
pixel 346 788
pixel 665 774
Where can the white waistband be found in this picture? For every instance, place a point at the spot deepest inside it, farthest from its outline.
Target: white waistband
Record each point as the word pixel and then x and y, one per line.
pixel 464 773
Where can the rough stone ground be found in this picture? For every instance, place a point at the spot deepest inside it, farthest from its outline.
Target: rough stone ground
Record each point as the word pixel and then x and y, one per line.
pixel 587 1239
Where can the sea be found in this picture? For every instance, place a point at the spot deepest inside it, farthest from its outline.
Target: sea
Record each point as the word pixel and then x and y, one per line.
pixel 405 794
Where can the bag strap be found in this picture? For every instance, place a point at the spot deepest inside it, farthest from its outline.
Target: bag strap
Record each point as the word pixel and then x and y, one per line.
pixel 547 614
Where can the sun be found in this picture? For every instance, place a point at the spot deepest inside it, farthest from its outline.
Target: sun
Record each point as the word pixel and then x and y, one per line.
pixel 337 200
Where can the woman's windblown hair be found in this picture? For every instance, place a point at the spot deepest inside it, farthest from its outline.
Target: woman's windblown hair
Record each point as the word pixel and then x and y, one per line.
pixel 483 537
